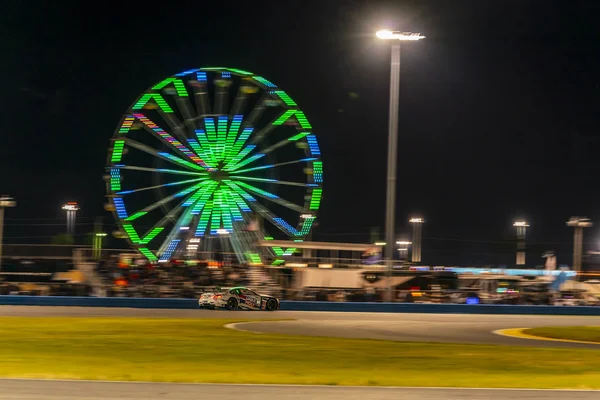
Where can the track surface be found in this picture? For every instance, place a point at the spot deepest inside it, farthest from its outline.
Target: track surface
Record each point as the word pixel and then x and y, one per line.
pixel 449 328
pixel 85 390
pixel 388 326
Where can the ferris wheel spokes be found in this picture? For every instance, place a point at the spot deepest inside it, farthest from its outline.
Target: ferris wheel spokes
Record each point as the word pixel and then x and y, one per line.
pixel 215 125
pixel 168 199
pixel 164 156
pixel 265 195
pixel 272 181
pixel 257 111
pixel 221 95
pixel 122 192
pixel 239 171
pixel 239 102
pixel 161 170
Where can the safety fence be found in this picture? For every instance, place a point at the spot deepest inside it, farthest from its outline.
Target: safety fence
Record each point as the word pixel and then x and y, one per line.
pixel 322 306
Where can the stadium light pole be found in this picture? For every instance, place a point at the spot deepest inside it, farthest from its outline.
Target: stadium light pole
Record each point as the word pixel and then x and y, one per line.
pixel 417 224
pixel 578 224
pixel 5 201
pixel 71 208
pixel 397 38
pixel 521 237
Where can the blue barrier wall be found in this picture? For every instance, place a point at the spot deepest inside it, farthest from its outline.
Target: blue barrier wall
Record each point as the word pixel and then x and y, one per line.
pixel 304 306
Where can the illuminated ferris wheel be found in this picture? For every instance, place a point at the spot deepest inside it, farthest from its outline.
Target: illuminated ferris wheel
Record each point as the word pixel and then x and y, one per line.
pixel 212 160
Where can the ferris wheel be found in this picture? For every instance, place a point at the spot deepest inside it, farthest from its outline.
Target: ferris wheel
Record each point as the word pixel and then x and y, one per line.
pixel 211 160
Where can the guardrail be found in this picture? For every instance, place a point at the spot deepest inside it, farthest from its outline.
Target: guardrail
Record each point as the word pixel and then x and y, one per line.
pixel 126 302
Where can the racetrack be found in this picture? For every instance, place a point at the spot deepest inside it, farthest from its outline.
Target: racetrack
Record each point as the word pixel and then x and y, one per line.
pixel 447 328
pixel 387 326
pixel 85 390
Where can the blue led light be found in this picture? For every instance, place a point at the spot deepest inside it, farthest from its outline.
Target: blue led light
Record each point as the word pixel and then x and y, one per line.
pixel 120 207
pixel 286 226
pixel 309 159
pixel 126 192
pixel 189 71
pixel 170 249
pixel 313 145
pixel 201 76
pixel 226 74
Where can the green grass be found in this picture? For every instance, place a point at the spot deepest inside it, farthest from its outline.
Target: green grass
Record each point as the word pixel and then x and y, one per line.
pixel 201 350
pixel 584 333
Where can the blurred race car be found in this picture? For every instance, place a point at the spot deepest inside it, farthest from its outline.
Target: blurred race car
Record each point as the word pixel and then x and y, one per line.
pixel 238 298
pixel 206 299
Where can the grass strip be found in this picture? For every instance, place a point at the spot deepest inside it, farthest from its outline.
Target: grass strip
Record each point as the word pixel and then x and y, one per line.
pixel 202 350
pixel 581 333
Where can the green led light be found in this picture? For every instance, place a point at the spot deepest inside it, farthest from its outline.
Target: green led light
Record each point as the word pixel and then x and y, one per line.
pixel 246 162
pixel 231 136
pixel 153 233
pixel 278 262
pixel 157 98
pixel 117 153
pixel 264 81
pixel 278 251
pixel 204 219
pixel 286 99
pixel 241 140
pixel 131 232
pixel 149 255
pixel 136 216
pixel 269 238
pixel 315 200
pixel 239 71
pixel 135 238
pixel 299 136
pixel 206 148
pixel 306 225
pixel 221 137
pixel 213 69
pixel 260 191
pixel 211 131
pixel 182 161
pixel 115 180
pixel 178 83
pixel 233 162
pixel 296 113
pixel 254 257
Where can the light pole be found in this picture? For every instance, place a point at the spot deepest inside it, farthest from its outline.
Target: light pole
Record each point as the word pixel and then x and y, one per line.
pixel 97 247
pixel 578 223
pixel 5 201
pixel 403 249
pixel 417 224
pixel 398 37
pixel 71 208
pixel 521 236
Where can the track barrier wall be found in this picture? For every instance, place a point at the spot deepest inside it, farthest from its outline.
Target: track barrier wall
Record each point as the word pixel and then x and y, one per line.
pixel 190 304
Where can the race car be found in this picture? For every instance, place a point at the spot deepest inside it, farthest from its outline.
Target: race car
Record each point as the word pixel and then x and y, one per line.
pixel 238 298
pixel 206 299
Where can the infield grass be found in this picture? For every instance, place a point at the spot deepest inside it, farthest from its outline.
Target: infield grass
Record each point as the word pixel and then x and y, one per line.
pixel 582 333
pixel 188 350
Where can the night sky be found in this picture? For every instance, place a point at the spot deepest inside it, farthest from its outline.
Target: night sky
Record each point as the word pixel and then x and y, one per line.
pixel 498 108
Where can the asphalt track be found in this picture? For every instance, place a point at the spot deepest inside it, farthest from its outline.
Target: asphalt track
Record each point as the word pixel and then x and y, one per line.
pixel 88 390
pixel 451 328
pixel 440 328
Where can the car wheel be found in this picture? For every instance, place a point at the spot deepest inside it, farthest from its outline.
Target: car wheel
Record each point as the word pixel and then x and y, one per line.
pixel 232 304
pixel 271 305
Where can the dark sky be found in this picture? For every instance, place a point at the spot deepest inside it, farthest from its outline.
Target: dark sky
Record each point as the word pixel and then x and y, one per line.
pixel 498 107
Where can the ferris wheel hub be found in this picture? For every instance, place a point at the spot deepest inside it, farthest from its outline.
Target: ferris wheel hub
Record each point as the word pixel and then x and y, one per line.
pixel 218 175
